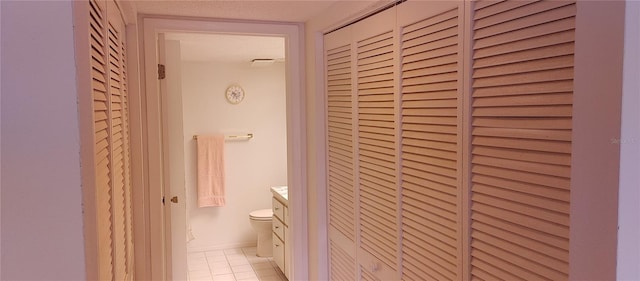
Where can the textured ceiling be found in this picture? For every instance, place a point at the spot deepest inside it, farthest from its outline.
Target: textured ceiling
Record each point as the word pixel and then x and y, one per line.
pixel 228 48
pixel 265 10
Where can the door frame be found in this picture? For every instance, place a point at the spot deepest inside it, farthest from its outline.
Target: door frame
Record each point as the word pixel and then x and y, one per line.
pixel 152 116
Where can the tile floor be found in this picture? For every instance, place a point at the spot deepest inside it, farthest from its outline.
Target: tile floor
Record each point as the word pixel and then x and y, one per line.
pixel 231 265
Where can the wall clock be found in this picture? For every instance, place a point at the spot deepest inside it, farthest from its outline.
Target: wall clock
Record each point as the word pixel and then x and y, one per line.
pixel 234 94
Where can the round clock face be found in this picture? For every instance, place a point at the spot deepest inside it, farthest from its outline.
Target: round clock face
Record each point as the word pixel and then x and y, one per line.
pixel 234 94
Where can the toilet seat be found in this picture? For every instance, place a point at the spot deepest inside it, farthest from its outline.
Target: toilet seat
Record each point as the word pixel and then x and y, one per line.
pixel 261 215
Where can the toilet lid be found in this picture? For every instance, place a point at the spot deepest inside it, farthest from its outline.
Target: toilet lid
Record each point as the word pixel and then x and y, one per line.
pixel 264 214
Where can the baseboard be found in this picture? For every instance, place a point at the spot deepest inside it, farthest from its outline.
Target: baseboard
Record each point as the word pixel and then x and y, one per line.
pixel 220 247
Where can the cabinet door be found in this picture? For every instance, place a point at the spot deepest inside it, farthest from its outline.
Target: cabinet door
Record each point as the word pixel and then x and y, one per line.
pixel 431 54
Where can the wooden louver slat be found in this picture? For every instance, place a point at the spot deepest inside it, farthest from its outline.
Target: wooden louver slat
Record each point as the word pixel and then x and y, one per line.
pixel 430 120
pixel 521 140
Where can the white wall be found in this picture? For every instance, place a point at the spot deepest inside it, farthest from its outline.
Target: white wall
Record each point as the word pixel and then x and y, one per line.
pixel 42 235
pixel 251 167
pixel 629 193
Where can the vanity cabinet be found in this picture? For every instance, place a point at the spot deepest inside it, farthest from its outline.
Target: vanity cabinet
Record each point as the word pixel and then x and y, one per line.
pixel 281 233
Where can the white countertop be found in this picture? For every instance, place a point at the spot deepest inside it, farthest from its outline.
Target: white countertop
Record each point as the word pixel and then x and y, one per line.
pixel 282 193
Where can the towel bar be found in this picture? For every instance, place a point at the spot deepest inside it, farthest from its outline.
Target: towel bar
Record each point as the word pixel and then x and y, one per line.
pixel 232 137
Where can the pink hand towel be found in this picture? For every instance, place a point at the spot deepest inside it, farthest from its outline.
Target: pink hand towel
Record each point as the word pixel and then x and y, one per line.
pixel 211 171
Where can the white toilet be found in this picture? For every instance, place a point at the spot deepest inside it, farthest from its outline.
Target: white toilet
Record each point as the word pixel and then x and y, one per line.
pixel 261 221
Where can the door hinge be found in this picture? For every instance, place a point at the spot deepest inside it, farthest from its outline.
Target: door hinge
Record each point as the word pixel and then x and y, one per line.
pixel 162 200
pixel 161 72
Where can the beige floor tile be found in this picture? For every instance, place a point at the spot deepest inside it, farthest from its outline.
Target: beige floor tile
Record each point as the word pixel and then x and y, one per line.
pixel 198 274
pixel 271 278
pixel 260 265
pixel 217 258
pixel 206 278
pixel 245 275
pixel 214 253
pixel 221 270
pixel 242 268
pixel 233 251
pixel 221 263
pixel 226 277
pixel 199 265
pixel 266 272
pixel 232 265
pixel 238 261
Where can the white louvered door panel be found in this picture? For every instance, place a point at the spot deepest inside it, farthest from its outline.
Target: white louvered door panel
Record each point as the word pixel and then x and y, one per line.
pixel 341 152
pixel 342 263
pixel 112 161
pixel 117 156
pixel 126 150
pixel 377 172
pixel 117 89
pixel 431 112
pixel 376 139
pixel 521 139
pixel 102 137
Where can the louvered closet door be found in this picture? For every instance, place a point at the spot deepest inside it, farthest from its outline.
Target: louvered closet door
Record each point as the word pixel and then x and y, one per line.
pixel 521 143
pixel 431 112
pixel 112 161
pixel 378 233
pixel 102 129
pixel 121 189
pixel 126 154
pixel 340 155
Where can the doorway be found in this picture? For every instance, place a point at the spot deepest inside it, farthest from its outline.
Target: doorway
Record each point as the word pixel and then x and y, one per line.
pixel 200 70
pixel 158 153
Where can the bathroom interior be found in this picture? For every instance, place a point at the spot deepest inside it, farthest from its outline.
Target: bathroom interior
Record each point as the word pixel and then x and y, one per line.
pixel 244 238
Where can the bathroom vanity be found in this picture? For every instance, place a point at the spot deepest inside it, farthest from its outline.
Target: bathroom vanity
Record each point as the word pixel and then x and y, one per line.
pixel 281 244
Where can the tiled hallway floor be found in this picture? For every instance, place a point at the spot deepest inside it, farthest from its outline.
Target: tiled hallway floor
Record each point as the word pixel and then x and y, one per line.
pixel 231 265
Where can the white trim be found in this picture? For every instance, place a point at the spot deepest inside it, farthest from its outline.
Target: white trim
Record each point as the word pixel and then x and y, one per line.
pixel 322 165
pixel 296 134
